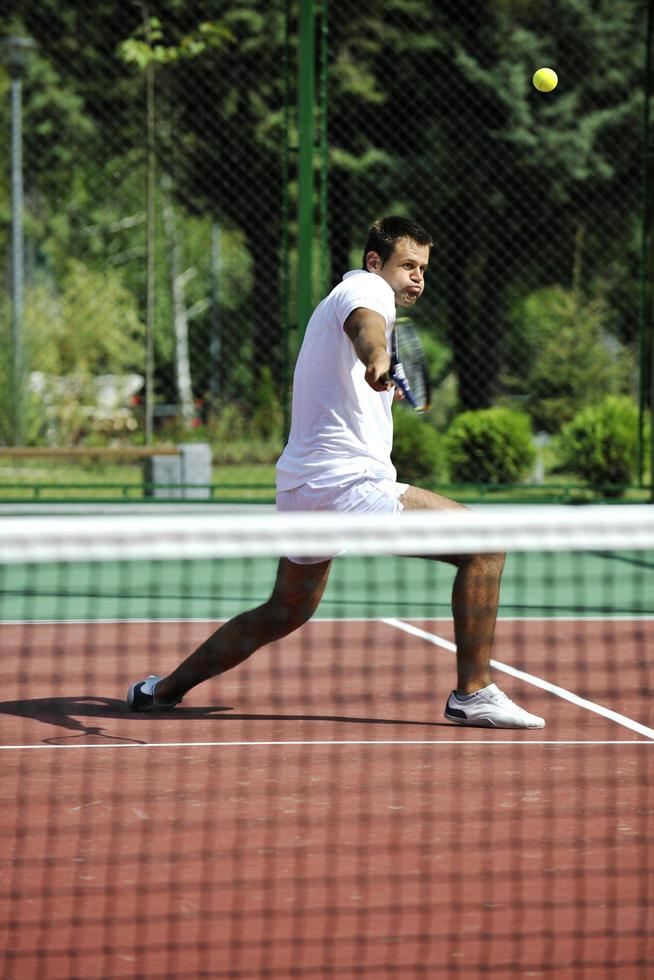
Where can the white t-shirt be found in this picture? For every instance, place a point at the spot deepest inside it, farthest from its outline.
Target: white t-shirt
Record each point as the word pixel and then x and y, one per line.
pixel 341 428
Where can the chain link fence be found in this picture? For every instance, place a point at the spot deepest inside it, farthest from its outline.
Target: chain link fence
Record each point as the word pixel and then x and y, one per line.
pixel 162 243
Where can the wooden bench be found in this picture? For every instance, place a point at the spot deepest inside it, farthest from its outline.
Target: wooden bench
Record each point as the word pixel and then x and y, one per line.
pixel 103 452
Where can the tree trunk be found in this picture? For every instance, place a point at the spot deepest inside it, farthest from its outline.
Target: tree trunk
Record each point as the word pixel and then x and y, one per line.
pixel 178 280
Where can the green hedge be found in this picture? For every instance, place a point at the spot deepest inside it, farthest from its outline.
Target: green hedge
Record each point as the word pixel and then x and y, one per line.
pixel 601 444
pixel 491 445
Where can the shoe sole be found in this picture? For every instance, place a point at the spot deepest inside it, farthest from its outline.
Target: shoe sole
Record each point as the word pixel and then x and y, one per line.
pixel 488 723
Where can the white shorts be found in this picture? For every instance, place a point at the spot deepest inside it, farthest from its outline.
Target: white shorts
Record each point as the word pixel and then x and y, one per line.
pixel 362 496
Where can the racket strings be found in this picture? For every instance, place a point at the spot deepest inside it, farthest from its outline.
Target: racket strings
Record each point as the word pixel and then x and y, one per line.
pixel 409 359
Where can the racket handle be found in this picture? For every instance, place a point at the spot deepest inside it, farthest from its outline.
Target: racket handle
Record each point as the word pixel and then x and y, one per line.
pixel 399 377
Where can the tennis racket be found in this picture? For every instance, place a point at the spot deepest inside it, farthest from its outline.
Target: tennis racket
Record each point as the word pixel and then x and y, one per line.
pixel 409 368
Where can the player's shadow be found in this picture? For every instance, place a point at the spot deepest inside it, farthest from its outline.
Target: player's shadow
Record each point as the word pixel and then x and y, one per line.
pixel 74 714
pixel 83 717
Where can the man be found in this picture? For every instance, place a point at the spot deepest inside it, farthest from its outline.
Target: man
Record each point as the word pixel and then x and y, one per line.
pixel 338 457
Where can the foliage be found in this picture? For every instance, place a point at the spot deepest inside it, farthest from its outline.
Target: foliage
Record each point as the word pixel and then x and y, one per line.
pixel 570 358
pixel 417 449
pixel 57 134
pixel 601 444
pixel 236 432
pixel 69 332
pixel 444 391
pixel 514 173
pixel 235 439
pixel 148 44
pixel 69 340
pixel 431 114
pixel 267 417
pixel 491 445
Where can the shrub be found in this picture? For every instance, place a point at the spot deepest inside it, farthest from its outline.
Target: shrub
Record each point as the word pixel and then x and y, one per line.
pixel 601 444
pixel 417 449
pixel 491 445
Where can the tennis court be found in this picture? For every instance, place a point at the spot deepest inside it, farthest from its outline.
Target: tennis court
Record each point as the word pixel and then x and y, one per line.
pixel 311 813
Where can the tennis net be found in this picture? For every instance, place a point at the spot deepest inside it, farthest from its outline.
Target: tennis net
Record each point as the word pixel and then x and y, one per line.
pixel 311 813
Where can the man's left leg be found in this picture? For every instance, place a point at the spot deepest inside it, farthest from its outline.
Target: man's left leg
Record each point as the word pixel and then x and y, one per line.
pixel 295 597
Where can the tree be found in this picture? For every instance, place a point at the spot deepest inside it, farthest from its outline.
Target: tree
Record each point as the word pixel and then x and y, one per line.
pixel 146 51
pixel 433 113
pixel 569 358
pixel 225 153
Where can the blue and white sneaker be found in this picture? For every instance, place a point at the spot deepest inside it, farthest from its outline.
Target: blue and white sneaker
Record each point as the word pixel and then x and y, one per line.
pixel 140 696
pixel 489 708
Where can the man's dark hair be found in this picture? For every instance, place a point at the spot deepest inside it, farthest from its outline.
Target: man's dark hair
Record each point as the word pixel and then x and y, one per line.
pixel 387 232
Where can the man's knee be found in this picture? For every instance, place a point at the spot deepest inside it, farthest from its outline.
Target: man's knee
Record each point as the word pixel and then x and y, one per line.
pixel 285 616
pixel 494 563
pixel 296 595
pixel 490 564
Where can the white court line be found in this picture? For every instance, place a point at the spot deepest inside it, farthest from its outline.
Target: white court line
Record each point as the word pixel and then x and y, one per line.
pixel 430 638
pixel 560 692
pixel 204 620
pixel 325 742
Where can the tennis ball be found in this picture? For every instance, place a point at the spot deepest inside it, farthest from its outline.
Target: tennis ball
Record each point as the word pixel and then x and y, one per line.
pixel 545 79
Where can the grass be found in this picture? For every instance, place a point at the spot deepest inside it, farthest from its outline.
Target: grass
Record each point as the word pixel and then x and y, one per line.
pixel 98 480
pixel 94 480
pixel 554 492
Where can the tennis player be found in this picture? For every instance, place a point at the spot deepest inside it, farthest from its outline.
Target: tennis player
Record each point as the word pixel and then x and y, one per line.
pixel 338 458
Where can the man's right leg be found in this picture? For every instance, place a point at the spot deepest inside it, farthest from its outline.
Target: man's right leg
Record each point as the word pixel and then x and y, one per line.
pixel 295 597
pixel 475 599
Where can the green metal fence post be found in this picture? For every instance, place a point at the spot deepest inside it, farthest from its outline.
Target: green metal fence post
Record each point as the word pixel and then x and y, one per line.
pixel 286 215
pixel 647 264
pixel 324 149
pixel 306 141
pixel 151 193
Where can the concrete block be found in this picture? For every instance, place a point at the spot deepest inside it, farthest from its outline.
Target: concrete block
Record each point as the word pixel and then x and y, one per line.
pixel 196 469
pixel 159 471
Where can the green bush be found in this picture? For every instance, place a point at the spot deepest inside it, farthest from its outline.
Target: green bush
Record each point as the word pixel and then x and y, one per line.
pixel 491 445
pixel 417 449
pixel 601 444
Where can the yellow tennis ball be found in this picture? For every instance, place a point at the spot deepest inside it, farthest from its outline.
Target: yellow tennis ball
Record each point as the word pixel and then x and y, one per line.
pixel 545 79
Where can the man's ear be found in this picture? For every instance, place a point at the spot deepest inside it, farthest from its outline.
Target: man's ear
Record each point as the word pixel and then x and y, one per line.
pixel 373 262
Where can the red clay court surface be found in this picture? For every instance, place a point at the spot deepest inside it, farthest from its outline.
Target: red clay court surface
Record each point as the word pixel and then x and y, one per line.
pixel 311 814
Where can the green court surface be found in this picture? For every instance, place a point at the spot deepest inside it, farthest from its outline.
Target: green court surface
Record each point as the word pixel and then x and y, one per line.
pixel 535 585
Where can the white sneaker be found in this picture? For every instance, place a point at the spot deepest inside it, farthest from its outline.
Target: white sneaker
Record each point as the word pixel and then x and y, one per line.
pixel 490 708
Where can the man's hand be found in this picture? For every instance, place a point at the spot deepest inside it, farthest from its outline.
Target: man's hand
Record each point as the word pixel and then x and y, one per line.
pixel 377 370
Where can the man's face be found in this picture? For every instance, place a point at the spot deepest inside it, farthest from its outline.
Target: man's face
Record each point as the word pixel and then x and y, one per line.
pixel 404 270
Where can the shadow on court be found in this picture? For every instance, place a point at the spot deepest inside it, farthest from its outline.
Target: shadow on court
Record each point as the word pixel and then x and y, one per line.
pixel 78 714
